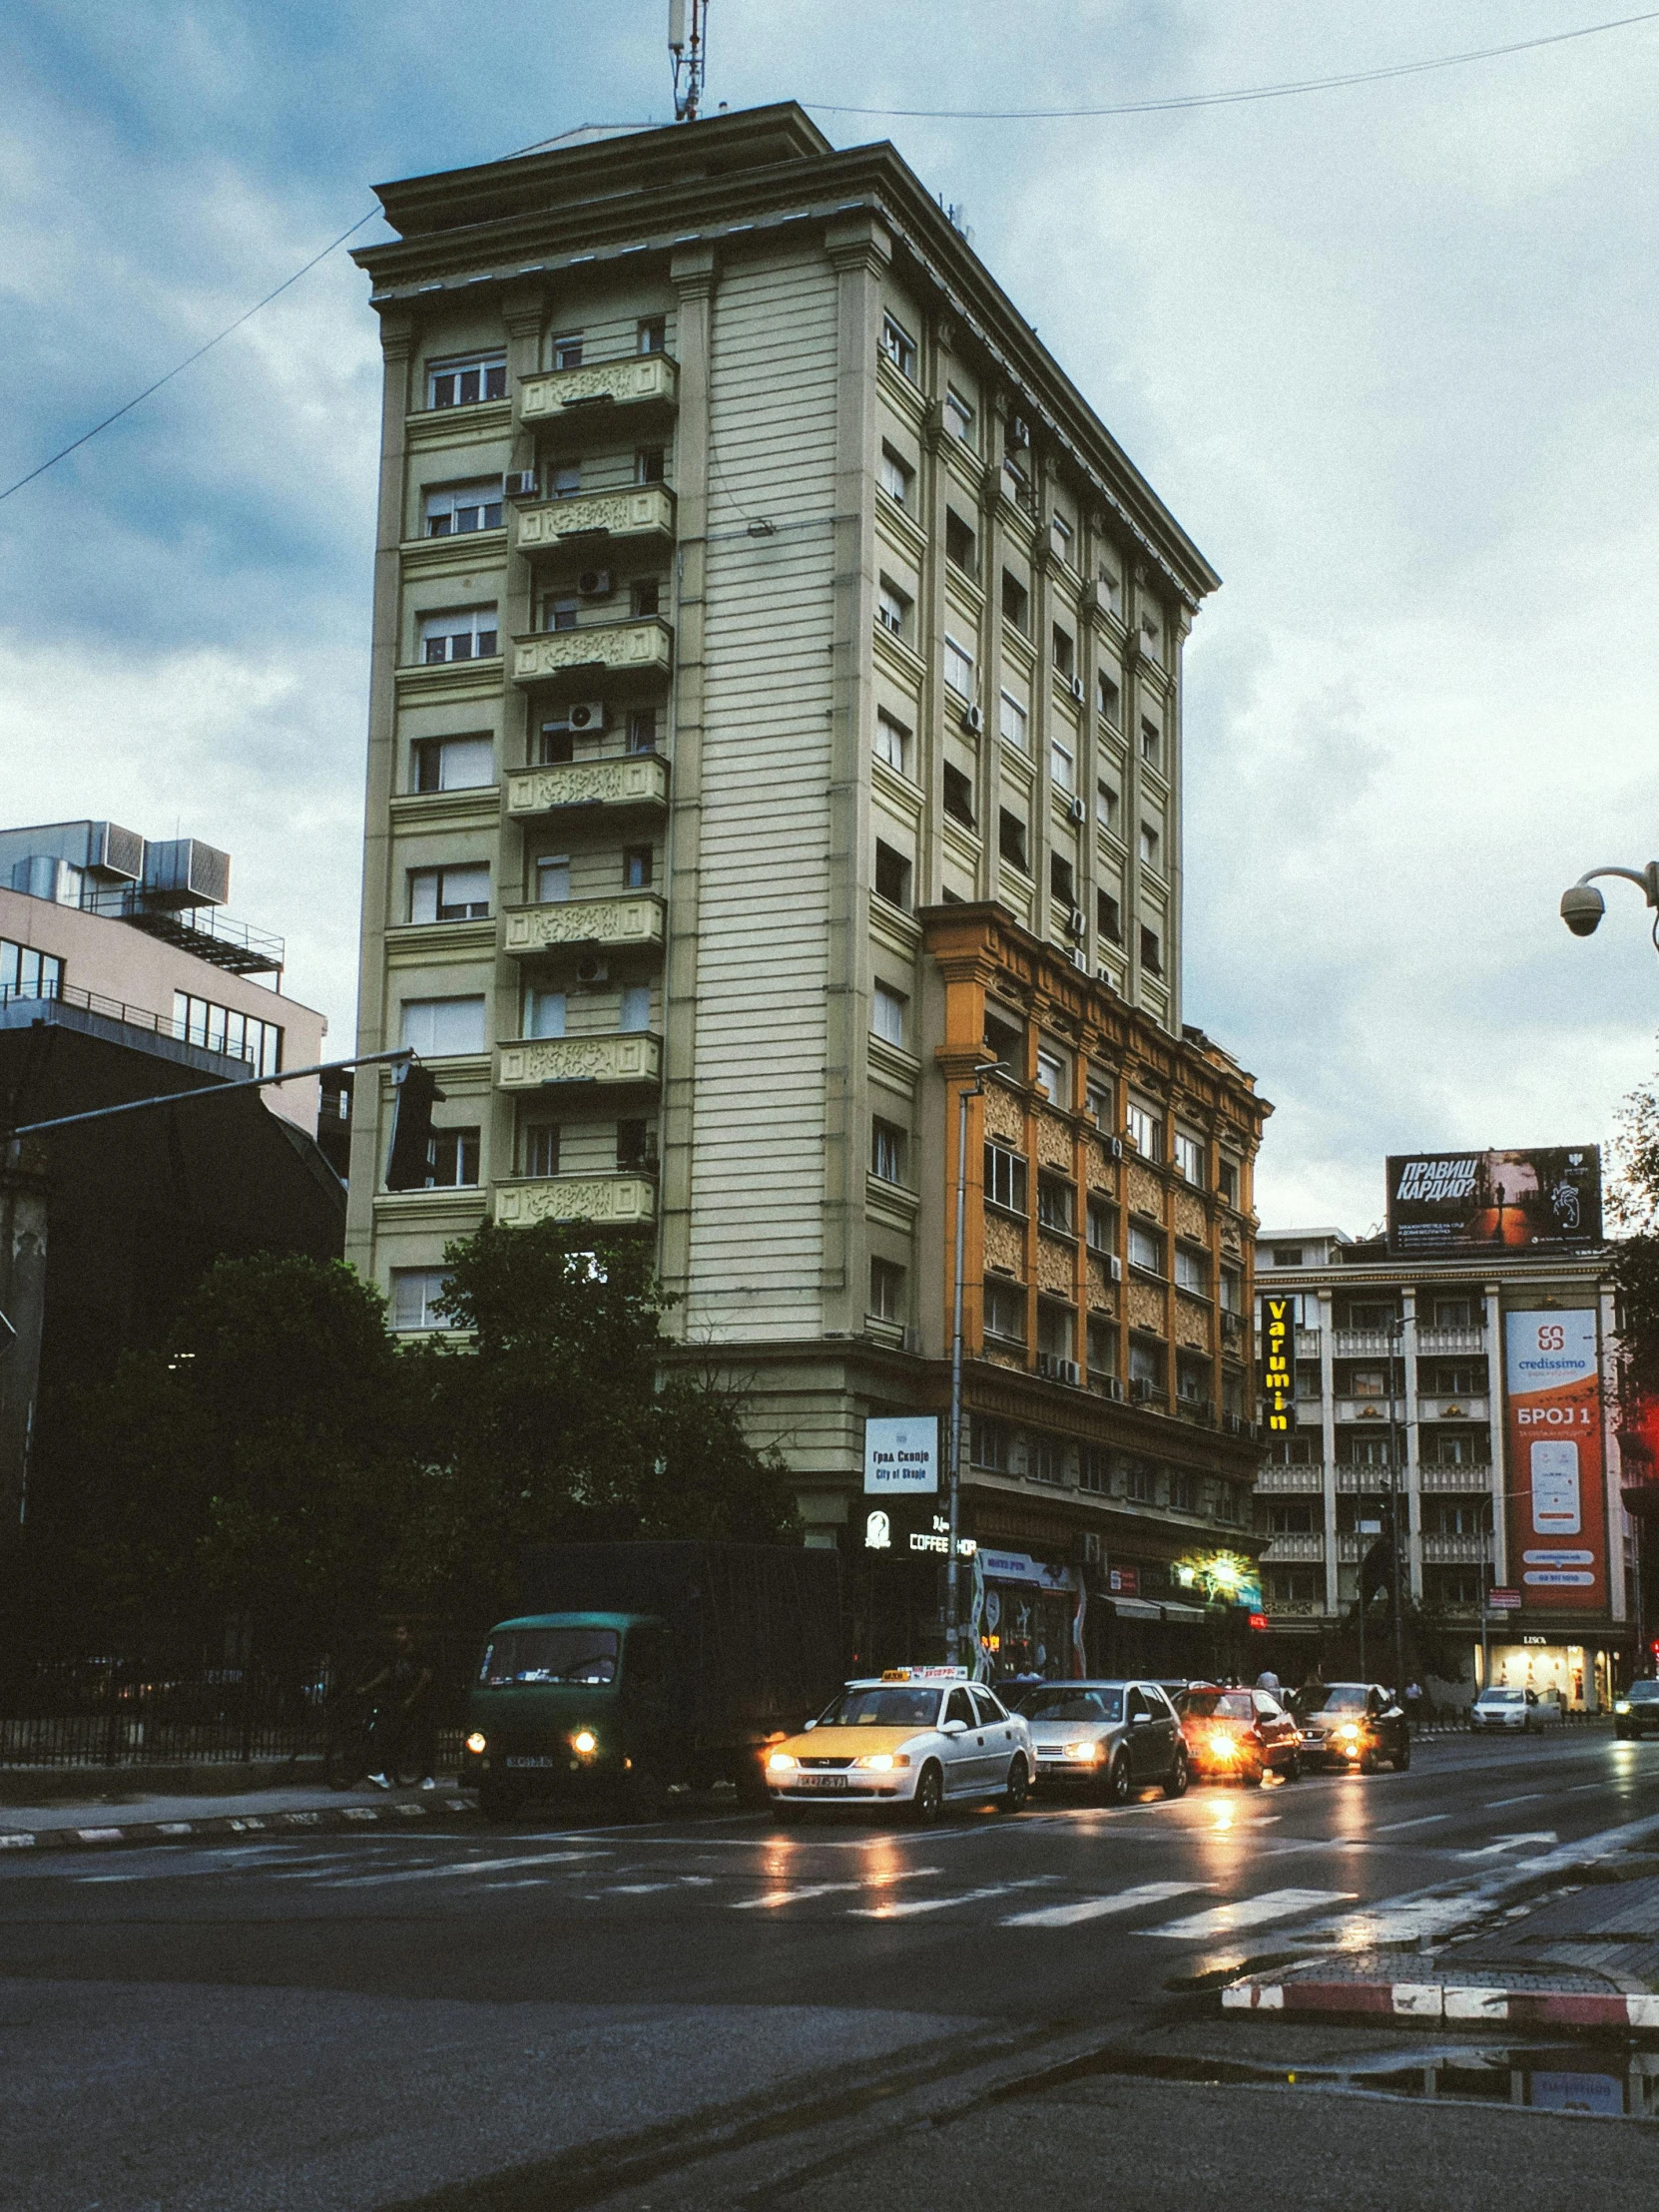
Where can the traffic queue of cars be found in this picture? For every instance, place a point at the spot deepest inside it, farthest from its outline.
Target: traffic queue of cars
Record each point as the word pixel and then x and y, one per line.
pixel 921 1738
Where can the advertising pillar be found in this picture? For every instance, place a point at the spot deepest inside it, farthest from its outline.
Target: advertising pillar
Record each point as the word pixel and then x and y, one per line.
pixel 1558 1517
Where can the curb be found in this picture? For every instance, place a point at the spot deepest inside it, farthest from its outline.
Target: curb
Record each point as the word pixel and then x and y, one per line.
pixel 1455 2003
pixel 323 1820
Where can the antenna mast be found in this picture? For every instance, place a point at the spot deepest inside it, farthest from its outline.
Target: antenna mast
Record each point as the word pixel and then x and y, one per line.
pixel 690 55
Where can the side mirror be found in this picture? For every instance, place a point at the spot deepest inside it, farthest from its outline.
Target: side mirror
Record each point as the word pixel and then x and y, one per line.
pixel 808 1723
pixel 953 1728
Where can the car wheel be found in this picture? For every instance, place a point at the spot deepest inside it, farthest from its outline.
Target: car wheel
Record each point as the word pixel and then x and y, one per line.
pixel 1014 1797
pixel 928 1802
pixel 1118 1786
pixel 1175 1781
pixel 1259 1776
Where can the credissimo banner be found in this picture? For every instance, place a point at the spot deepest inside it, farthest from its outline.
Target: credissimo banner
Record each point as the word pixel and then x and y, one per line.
pixel 1557 1508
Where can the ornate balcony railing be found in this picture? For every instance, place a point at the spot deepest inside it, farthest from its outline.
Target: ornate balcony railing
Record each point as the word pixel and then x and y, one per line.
pixel 650 379
pixel 620 1198
pixel 615 648
pixel 633 780
pixel 534 1062
pixel 646 511
pixel 636 918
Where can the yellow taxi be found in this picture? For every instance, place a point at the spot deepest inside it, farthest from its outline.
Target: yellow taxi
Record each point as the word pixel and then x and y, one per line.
pixel 917 1737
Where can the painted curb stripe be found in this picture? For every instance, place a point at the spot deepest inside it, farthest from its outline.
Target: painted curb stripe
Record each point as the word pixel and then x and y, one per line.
pixel 217 1825
pixel 1439 2000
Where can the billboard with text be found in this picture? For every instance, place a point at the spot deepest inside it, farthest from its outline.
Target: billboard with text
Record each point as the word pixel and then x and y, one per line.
pixel 1468 1201
pixel 1557 1497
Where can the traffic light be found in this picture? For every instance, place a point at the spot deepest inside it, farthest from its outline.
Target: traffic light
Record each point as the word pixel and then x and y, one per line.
pixel 410 1166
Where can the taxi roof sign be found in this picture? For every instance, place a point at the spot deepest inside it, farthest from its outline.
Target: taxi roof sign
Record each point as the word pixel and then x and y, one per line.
pixel 924 1674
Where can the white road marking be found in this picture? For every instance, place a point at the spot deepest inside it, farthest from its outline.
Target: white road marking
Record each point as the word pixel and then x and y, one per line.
pixel 467 1866
pixel 1423 1820
pixel 1227 1920
pixel 1530 1797
pixel 1094 1908
pixel 1502 1843
pixel 909 1907
pixel 775 1898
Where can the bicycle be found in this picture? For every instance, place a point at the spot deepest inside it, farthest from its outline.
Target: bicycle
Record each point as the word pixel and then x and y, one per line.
pixel 352 1748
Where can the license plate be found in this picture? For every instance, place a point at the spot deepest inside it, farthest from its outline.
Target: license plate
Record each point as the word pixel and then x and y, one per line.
pixel 823 1781
pixel 532 1762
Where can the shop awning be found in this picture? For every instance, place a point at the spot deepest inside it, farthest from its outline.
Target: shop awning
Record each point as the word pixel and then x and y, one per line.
pixel 1135 1608
pixel 1174 1611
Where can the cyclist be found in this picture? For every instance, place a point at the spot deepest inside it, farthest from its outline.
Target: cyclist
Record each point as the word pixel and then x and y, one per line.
pixel 405 1721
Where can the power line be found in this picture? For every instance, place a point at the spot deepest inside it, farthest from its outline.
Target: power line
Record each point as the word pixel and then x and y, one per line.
pixel 1251 91
pixel 76 444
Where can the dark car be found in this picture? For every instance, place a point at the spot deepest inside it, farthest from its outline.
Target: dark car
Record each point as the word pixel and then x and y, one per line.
pixel 1352 1725
pixel 1237 1734
pixel 1637 1711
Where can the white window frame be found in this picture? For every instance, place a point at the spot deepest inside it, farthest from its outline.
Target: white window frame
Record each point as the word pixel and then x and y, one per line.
pixel 889 1015
pixel 1146 1250
pixel 462 508
pixel 1062 766
pixel 1151 844
pixel 892 742
pixel 634 1009
pixel 486 366
pixel 1144 1128
pixel 412 1296
pixel 897 476
pixel 455 626
pixel 1014 722
pixel 959 668
pixel 959 416
pixel 464 756
pixel 547 874
pixel 893 608
pixel 433 891
pixel 898 346
pixel 568 349
pixel 450 1027
pixel 545 1012
pixel 1189 1157
pixel 1192 1271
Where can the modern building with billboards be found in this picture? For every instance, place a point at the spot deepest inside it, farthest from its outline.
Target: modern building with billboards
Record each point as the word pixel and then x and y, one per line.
pixel 1455 1376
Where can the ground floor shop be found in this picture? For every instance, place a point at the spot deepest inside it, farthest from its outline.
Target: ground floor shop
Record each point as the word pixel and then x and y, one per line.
pixel 1579 1672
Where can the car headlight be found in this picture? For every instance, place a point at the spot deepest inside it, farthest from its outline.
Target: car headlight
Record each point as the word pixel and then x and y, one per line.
pixel 584 1742
pixel 1092 1751
pixel 780 1763
pixel 476 1742
pixel 1350 1734
pixel 882 1762
pixel 1221 1745
pixel 1621 1705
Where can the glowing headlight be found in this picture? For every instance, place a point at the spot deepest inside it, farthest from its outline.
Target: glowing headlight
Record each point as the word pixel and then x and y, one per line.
pixel 476 1740
pixel 780 1763
pixel 882 1762
pixel 1093 1750
pixel 1222 1747
pixel 584 1741
pixel 1622 1705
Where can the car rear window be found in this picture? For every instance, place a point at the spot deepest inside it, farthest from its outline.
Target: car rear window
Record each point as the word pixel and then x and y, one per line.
pixel 1333 1697
pixel 882 1707
pixel 540 1655
pixel 1224 1705
pixel 1069 1704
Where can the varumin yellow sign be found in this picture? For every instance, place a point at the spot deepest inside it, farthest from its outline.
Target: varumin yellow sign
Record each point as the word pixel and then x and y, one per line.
pixel 1278 1364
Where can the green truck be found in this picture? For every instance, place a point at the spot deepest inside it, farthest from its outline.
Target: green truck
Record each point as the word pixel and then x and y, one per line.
pixel 634 1668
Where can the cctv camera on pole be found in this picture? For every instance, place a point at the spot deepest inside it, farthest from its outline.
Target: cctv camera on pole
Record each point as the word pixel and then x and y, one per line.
pixel 1583 905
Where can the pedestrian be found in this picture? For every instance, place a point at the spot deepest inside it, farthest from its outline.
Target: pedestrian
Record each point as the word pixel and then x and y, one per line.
pixel 1269 1681
pixel 406 1728
pixel 1413 1707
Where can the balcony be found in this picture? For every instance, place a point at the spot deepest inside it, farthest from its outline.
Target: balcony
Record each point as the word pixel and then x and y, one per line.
pixel 1454 1552
pixel 1295 1608
pixel 1370 1481
pixel 535 1063
pixel 614 648
pixel 646 511
pixel 633 921
pixel 1443 1408
pixel 1307 1344
pixel 1450 1339
pixel 1282 1481
pixel 568 395
pixel 635 779
pixel 620 1199
pixel 1289 1551
pixel 1370 1410
pixel 1464 1478
pixel 1364 1343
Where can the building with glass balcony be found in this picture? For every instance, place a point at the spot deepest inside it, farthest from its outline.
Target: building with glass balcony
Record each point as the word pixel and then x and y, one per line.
pixel 776 709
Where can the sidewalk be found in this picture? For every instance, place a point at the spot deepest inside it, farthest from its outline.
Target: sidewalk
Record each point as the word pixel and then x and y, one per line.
pixel 97 1821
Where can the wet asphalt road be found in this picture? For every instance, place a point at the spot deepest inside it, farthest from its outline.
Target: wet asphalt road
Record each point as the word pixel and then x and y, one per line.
pixel 558 2015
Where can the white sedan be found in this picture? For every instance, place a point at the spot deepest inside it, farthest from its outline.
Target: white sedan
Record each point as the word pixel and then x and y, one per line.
pixel 1499 1709
pixel 921 1737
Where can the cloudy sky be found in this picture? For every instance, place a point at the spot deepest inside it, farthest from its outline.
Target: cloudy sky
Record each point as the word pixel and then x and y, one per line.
pixel 1391 352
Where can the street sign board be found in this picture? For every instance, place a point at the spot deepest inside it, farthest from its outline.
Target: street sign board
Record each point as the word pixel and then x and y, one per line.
pixel 902 1457
pixel 1503 1601
pixel 1278 1364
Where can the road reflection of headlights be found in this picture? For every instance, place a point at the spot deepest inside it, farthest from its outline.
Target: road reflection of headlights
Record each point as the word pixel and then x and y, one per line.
pixel 780 1763
pixel 882 1762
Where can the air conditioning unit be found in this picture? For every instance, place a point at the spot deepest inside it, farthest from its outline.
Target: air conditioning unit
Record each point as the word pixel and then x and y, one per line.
pixel 1050 1363
pixel 1075 687
pixel 1111 1385
pixel 1076 926
pixel 590 970
pixel 974 719
pixel 586 717
pixel 1020 430
pixel 519 484
pixel 1114 1147
pixel 594 583
pixel 1076 810
pixel 1114 1268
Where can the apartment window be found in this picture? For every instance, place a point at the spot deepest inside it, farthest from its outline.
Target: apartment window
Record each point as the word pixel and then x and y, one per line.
pixel 1149 845
pixel 1151 743
pixel 464 382
pixel 467 635
pixel 1016 603
pixel 440 1027
pixel 637 863
pixel 650 463
pixel 451 764
pixel 1011 840
pixel 888 1012
pixel 958 416
pixel 544 1013
pixel 899 346
pixel 560 614
pixel 1291 1520
pixel 1140 1482
pixel 989 1444
pixel 961 547
pixel 635 1008
pixel 634 1150
pixel 1226 1182
pixel 1062 880
pixel 1226 1504
pixel 1293 1586
pixel 1144 1128
pixel 415 1292
pixel 893 875
pixel 1060 537
pixel 897 477
pixel 651 337
pixel 1454 1313
pixel 1108 917
pixel 1110 698
pixel 1064 650
pixel 238 1036
pixel 887 1291
pixel 893 608
pixel 958 667
pixel 1183 1492
pixel 1054 1074
pixel 646 596
pixel 1043 1459
pixel 1361 1316
pixel 1367 1383
pixel 461 508
pixel 564 480
pixel 1287 1255
pixel 1231 1291
pixel 1111 583
pixel 1018 486
pixel 557 745
pixel 959 796
pixel 1004 1310
pixel 454 1158
pixel 1151 636
pixel 1102 1226
pixel 1151 953
pixel 1056 1201
pixel 26 972
pixel 642 730
pixel 1007 1042
pixel 541 1148
pixel 553 879
pixel 1103 1354
pixel 450 893
pixel 1106 805
pixel 1004 1178
pixel 1012 721
pixel 567 350
pixel 892 742
pixel 1146 1249
pixel 1097 1100
pixel 886 1152
pixel 1189 1157
pixel 1192 1271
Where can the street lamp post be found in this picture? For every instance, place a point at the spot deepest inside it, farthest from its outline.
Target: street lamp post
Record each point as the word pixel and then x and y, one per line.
pixel 1583 905
pixel 1397 1334
pixel 953 1563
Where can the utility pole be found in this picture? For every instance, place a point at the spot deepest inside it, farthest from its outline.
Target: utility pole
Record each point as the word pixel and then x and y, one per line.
pixel 688 43
pixel 1397 1333
pixel 952 1561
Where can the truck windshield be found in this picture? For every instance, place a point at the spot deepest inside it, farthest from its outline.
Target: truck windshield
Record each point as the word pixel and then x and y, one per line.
pixel 530 1655
pixel 883 1708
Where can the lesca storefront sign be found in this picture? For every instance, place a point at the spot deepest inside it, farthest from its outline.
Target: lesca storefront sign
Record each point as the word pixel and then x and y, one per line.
pixel 1557 1498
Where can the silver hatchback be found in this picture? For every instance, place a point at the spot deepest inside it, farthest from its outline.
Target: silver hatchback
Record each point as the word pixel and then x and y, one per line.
pixel 1110 1738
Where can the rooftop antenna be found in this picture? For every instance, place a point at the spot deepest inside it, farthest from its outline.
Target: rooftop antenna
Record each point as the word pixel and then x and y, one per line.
pixel 690 55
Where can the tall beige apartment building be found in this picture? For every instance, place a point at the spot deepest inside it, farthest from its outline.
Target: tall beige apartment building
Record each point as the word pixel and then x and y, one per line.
pixel 777 667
